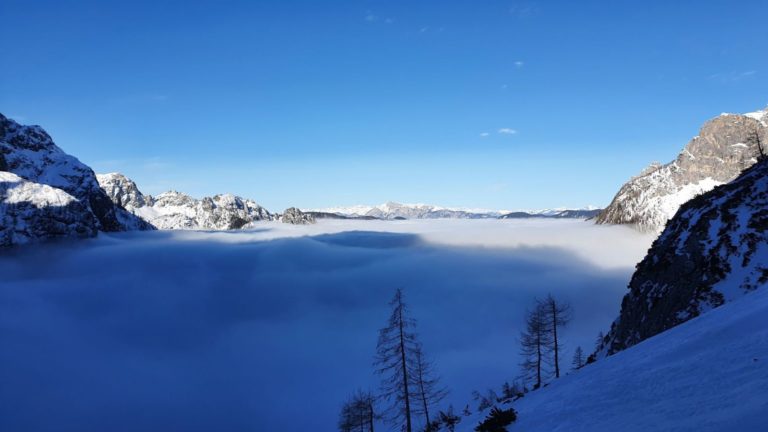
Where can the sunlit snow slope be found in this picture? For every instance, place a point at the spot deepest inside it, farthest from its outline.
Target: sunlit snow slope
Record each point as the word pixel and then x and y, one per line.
pixel 708 374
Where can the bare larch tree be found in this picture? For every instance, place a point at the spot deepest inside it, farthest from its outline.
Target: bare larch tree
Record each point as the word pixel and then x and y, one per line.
pixel 534 341
pixel 358 413
pixel 557 315
pixel 427 383
pixel 578 358
pixel 395 361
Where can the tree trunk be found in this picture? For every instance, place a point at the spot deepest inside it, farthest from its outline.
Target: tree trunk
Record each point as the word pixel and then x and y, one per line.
pixel 405 373
pixel 424 400
pixel 554 333
pixel 370 417
pixel 538 360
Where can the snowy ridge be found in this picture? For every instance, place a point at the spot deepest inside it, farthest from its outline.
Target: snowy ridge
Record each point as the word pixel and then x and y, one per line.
pixel 32 164
pixel 32 212
pixel 725 146
pixel 176 210
pixel 713 251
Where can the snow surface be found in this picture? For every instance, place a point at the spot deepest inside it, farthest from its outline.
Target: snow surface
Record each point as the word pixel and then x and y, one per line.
pixel 761 116
pixel 270 329
pixel 708 374
pixel 40 195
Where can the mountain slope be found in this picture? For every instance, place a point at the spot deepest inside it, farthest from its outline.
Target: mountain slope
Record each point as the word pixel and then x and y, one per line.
pixel 32 163
pixel 713 251
pixel 725 146
pixel 705 375
pixel 32 212
pixel 175 210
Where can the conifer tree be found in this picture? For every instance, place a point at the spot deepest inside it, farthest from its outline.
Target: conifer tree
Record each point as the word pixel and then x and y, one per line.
pixel 557 314
pixel 578 358
pixel 534 341
pixel 395 363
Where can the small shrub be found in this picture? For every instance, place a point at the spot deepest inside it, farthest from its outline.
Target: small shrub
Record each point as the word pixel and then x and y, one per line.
pixel 497 420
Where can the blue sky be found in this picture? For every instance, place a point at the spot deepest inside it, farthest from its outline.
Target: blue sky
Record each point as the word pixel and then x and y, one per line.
pixel 315 104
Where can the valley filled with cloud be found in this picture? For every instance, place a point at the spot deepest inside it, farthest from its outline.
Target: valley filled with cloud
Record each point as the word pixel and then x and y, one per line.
pixel 242 330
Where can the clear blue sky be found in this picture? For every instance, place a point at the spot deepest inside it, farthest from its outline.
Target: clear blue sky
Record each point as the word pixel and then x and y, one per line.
pixel 319 103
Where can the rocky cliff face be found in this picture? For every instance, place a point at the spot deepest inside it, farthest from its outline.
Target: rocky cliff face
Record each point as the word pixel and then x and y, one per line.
pixel 175 210
pixel 297 217
pixel 725 146
pixel 714 250
pixel 32 212
pixel 31 163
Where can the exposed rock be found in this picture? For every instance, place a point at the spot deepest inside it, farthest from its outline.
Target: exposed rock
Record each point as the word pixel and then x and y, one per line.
pixel 714 250
pixel 725 147
pixel 30 153
pixel 176 210
pixel 296 217
pixel 33 212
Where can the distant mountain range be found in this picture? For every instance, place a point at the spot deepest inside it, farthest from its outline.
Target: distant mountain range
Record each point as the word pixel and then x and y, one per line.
pixel 394 211
pixel 725 146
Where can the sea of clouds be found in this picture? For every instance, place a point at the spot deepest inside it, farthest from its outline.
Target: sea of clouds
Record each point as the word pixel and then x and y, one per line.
pixel 270 329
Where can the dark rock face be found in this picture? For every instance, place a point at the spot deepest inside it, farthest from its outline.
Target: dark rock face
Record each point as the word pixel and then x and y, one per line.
pixel 30 153
pixel 32 212
pixel 714 250
pixel 725 146
pixel 297 217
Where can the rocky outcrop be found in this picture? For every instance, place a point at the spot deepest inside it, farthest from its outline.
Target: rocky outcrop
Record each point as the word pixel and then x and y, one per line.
pixel 121 190
pixel 714 250
pixel 296 217
pixel 176 210
pixel 725 146
pixel 32 212
pixel 29 154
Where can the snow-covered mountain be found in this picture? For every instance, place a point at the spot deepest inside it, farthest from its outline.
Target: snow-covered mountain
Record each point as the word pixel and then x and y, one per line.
pixel 296 217
pixel 175 210
pixel 38 174
pixel 586 213
pixel 31 212
pixel 713 251
pixel 725 146
pixel 394 210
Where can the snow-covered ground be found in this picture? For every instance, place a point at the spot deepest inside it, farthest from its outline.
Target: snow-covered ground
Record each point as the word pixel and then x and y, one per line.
pixel 271 328
pixel 708 374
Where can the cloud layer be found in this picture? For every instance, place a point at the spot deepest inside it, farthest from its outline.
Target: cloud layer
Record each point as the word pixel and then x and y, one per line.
pixel 270 329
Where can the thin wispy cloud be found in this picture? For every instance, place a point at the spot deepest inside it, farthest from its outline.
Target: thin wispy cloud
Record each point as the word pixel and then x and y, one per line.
pixel 372 17
pixel 507 131
pixel 523 9
pixel 519 64
pixel 733 76
pixel 484 134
